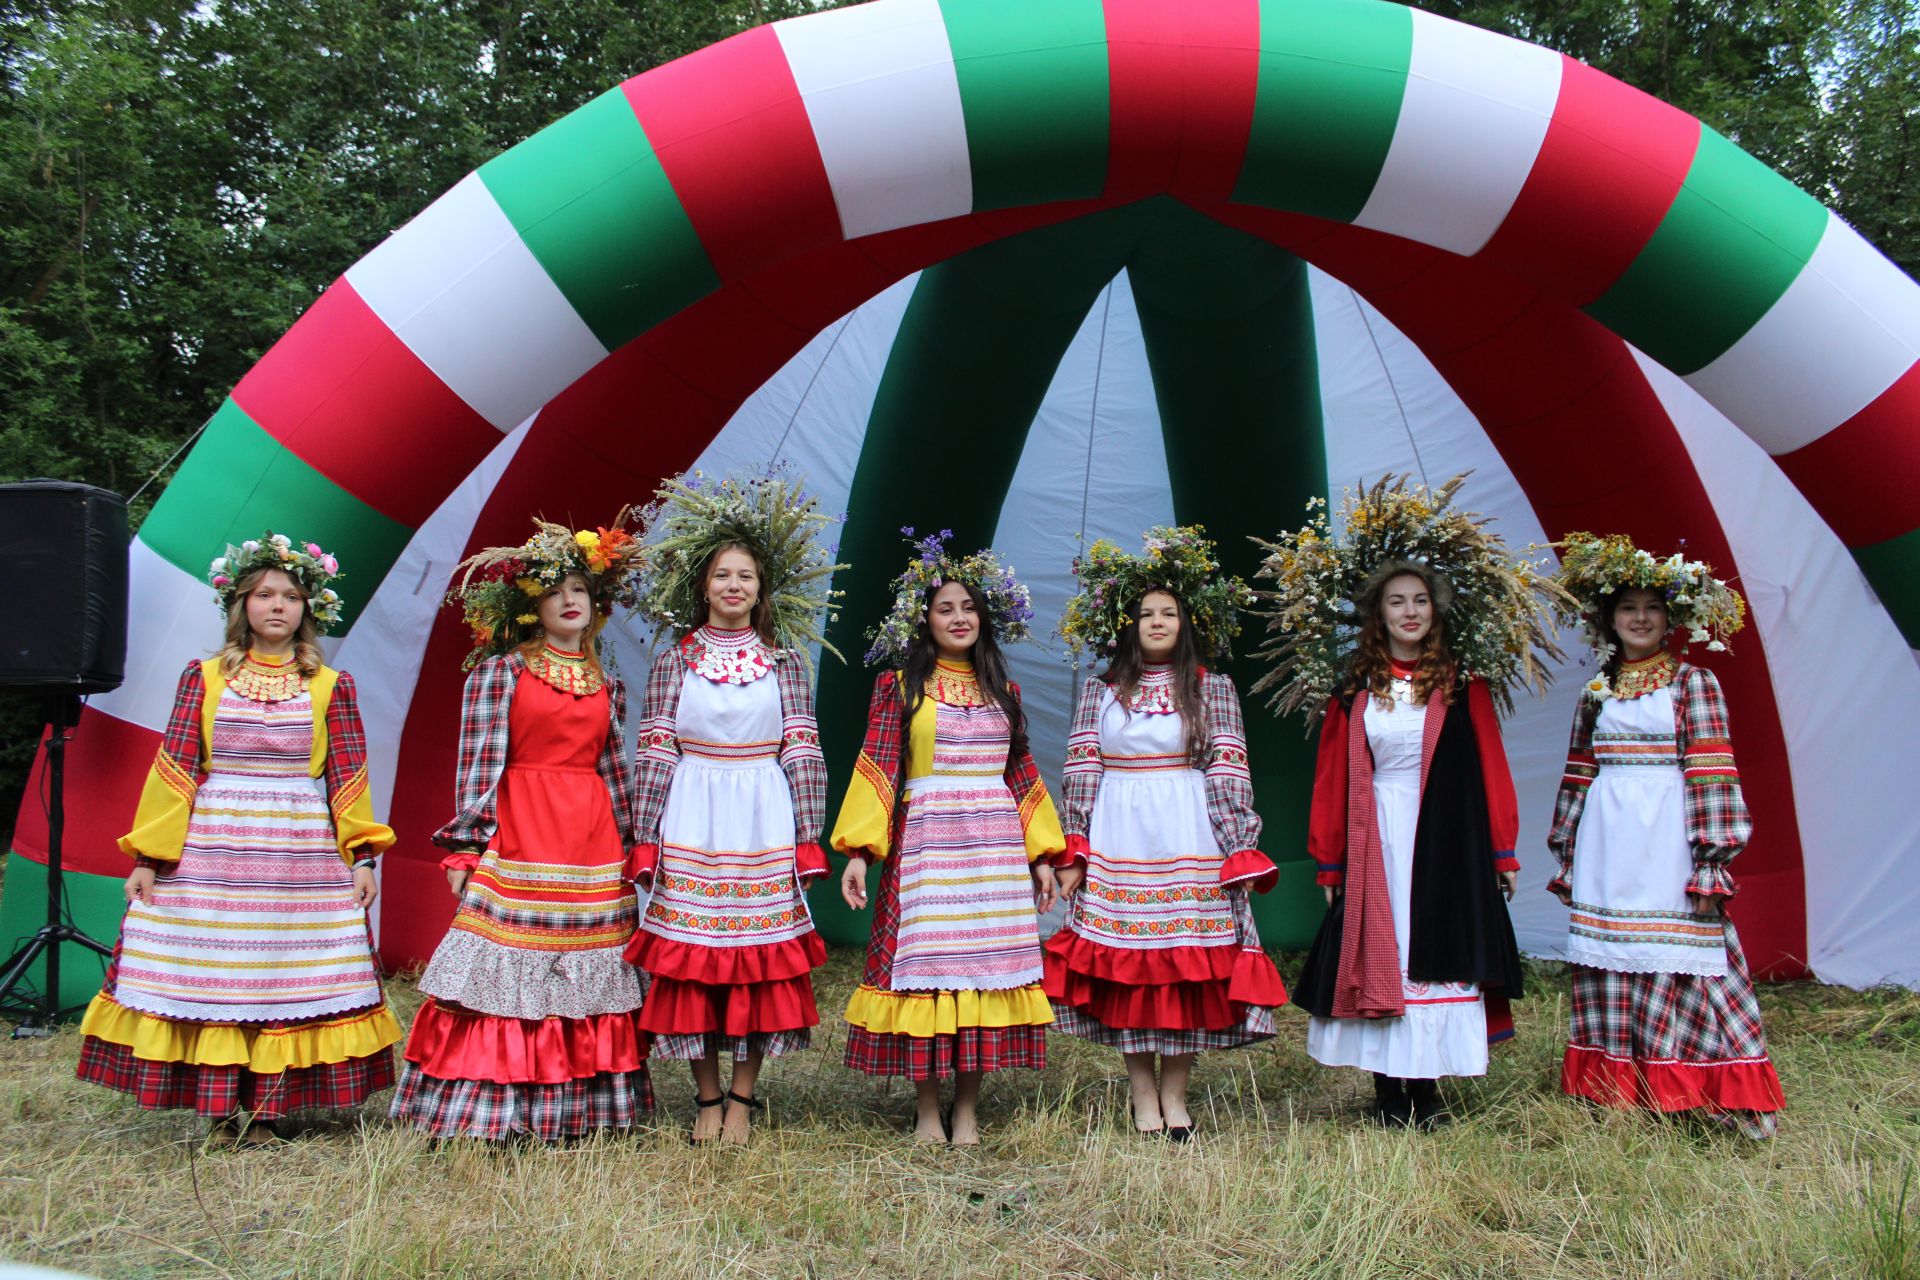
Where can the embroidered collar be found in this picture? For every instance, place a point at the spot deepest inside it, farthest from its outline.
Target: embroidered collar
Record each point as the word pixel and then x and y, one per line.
pixel 728 657
pixel 954 684
pixel 1637 679
pixel 1154 694
pixel 260 678
pixel 567 672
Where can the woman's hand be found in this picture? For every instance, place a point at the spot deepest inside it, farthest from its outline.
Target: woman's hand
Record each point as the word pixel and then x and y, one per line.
pixel 1067 879
pixel 457 880
pixel 1044 888
pixel 365 886
pixel 853 883
pixel 1509 881
pixel 1565 896
pixel 1705 904
pixel 139 887
pixel 1332 891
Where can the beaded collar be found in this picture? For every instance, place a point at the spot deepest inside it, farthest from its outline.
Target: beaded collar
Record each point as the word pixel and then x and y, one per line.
pixel 1637 679
pixel 264 679
pixel 567 672
pixel 728 657
pixel 954 684
pixel 1154 694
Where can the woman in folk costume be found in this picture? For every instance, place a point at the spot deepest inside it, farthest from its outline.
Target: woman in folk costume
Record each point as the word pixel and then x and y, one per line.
pixel 1414 819
pixel 1159 954
pixel 947 797
pixel 244 977
pixel 731 783
pixel 531 1025
pixel 1648 817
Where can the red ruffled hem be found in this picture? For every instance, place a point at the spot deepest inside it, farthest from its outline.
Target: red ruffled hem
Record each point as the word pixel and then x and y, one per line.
pixel 810 862
pixel 697 1008
pixel 1075 854
pixel 1250 868
pixel 1175 989
pixel 451 1045
pixel 1745 1085
pixel 726 966
pixel 460 861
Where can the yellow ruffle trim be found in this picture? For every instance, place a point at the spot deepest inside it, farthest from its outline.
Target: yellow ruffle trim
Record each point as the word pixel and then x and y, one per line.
pixel 263 1050
pixel 941 1013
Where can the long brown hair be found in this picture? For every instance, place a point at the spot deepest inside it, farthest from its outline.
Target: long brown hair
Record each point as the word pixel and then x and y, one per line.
pixel 1604 625
pixel 239 636
pixel 989 671
pixel 1123 672
pixel 538 637
pixel 761 619
pixel 1436 671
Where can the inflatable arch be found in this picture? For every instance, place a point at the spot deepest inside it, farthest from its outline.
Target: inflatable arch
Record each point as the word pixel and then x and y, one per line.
pixel 984 263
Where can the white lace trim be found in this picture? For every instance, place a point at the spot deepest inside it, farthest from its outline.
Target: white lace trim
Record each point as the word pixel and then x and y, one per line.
pixel 729 657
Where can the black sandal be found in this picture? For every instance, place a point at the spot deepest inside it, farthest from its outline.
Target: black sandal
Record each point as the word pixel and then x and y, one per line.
pixel 701 1104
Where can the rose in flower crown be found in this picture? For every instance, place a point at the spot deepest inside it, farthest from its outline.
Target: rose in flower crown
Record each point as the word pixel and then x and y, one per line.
pixel 1009 603
pixel 693 516
pixel 1498 625
pixel 310 568
pixel 500 588
pixel 1594 570
pixel 1177 559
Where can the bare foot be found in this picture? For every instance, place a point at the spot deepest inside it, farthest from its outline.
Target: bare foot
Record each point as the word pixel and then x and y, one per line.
pixel 966 1128
pixel 262 1133
pixel 1147 1116
pixel 736 1124
pixel 1175 1112
pixel 929 1127
pixel 707 1121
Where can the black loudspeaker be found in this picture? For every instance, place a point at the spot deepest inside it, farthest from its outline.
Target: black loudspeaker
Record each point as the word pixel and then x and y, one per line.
pixel 63 572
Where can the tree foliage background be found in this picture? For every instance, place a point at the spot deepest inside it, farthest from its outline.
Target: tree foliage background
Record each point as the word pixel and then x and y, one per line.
pixel 178 181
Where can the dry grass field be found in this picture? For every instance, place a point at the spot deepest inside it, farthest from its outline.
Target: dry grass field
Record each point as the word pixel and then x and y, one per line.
pixel 1286 1180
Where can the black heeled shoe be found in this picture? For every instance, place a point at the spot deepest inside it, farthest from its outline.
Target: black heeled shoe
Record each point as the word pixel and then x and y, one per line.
pixel 702 1104
pixel 1392 1108
pixel 1429 1112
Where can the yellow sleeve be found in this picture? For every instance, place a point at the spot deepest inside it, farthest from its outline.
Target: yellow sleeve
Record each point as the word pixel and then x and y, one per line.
pixel 166 803
pixel 353 822
pixel 865 824
pixel 1040 821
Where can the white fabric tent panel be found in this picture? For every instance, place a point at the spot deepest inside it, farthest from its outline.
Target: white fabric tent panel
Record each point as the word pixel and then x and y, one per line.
pixel 172 619
pixel 1848 695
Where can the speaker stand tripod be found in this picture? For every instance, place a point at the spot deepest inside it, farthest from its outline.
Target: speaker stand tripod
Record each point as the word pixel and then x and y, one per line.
pixel 36 1013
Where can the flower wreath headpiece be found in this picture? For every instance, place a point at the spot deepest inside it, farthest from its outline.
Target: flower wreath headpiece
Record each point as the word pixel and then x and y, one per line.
pixel 1178 559
pixel 1703 608
pixel 1009 603
pixel 692 516
pixel 1499 624
pixel 499 588
pixel 310 567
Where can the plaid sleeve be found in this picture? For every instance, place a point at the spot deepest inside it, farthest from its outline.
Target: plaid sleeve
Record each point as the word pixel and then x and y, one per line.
pixel 613 767
pixel 659 757
pixel 484 706
pixel 359 835
pixel 1572 798
pixel 800 757
pixel 1229 787
pixel 1039 821
pixel 1718 824
pixel 1080 780
pixel 864 824
pixel 166 799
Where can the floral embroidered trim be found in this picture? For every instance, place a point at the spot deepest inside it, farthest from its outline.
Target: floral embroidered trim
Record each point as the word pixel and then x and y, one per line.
pixel 261 680
pixel 954 686
pixel 728 657
pixel 567 672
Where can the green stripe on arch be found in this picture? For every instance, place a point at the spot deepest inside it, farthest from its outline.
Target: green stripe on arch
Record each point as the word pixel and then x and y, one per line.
pixel 1893 570
pixel 1735 237
pixel 1033 89
pixel 590 200
pixel 238 481
pixel 1333 74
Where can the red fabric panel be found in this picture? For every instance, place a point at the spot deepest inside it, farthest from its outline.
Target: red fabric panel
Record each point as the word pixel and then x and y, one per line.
pixel 678 1007
pixel 1503 807
pixel 107 760
pixel 450 1045
pixel 1740 1085
pixel 725 966
pixel 1858 476
pixel 1605 137
pixel 1182 80
pixel 326 387
pixel 1327 820
pixel 732 134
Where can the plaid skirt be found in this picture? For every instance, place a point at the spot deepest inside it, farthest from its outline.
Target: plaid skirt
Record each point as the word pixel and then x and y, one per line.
pixel 1072 1021
pixel 495 1111
pixel 687 1046
pixel 219 1091
pixel 937 1057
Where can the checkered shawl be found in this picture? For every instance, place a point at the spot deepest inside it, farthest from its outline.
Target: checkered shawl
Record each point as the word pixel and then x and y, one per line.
pixel 1229 783
pixel 1718 824
pixel 659 748
pixel 485 707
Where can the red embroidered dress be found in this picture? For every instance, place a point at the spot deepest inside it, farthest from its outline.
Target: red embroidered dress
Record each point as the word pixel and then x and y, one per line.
pixel 1650 810
pixel 732 789
pixel 1159 953
pixel 248 983
pixel 532 1021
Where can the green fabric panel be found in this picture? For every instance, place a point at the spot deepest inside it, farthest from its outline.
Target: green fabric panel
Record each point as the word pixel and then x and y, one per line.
pixel 1737 235
pixel 1332 77
pixel 589 198
pixel 95 904
pixel 1893 569
pixel 239 481
pixel 1228 327
pixel 974 355
pixel 1033 89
